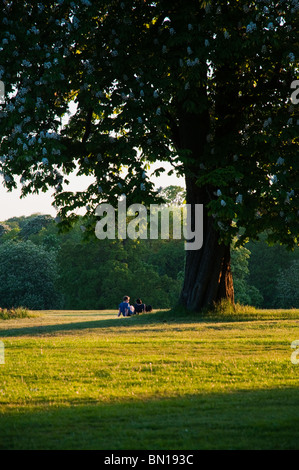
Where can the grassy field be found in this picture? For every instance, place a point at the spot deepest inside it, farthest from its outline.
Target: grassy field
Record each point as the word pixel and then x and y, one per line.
pixel 90 380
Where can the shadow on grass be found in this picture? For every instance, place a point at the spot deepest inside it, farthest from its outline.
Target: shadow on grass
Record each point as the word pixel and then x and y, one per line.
pixel 263 419
pixel 125 323
pixel 164 317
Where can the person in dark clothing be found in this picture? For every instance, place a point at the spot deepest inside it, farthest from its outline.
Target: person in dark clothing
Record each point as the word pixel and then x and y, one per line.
pixel 139 306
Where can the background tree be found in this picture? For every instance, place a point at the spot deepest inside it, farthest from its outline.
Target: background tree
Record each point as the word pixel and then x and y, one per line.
pixel 203 85
pixel 28 276
pixel 34 224
pixel 288 287
pixel 94 274
pixel 245 293
pixel 97 274
pixel 4 228
pixel 265 265
pixel 173 195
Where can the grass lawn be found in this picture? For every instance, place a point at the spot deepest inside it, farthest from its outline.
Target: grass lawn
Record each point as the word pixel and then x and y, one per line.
pixel 159 381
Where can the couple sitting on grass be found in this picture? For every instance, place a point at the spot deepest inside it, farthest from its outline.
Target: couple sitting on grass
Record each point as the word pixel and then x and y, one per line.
pixel 127 310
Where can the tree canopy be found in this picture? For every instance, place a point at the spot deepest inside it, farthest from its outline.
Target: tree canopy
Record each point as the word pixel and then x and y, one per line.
pixel 135 70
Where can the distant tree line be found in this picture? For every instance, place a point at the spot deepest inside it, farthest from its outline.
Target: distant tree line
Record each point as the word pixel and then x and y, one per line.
pixel 41 268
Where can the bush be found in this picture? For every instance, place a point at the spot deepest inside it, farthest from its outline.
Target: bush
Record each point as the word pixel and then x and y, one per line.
pixel 20 312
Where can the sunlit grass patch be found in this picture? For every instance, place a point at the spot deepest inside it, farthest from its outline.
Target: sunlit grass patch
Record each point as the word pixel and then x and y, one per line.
pixel 83 373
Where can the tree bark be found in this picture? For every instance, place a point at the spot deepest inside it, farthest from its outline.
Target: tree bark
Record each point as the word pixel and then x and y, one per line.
pixel 208 276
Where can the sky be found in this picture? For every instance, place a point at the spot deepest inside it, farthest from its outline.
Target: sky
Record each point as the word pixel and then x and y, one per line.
pixel 11 205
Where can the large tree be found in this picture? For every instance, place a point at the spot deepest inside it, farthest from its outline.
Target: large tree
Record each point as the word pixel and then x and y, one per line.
pixel 203 85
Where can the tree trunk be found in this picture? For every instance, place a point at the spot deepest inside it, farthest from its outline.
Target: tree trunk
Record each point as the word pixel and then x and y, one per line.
pixel 208 277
